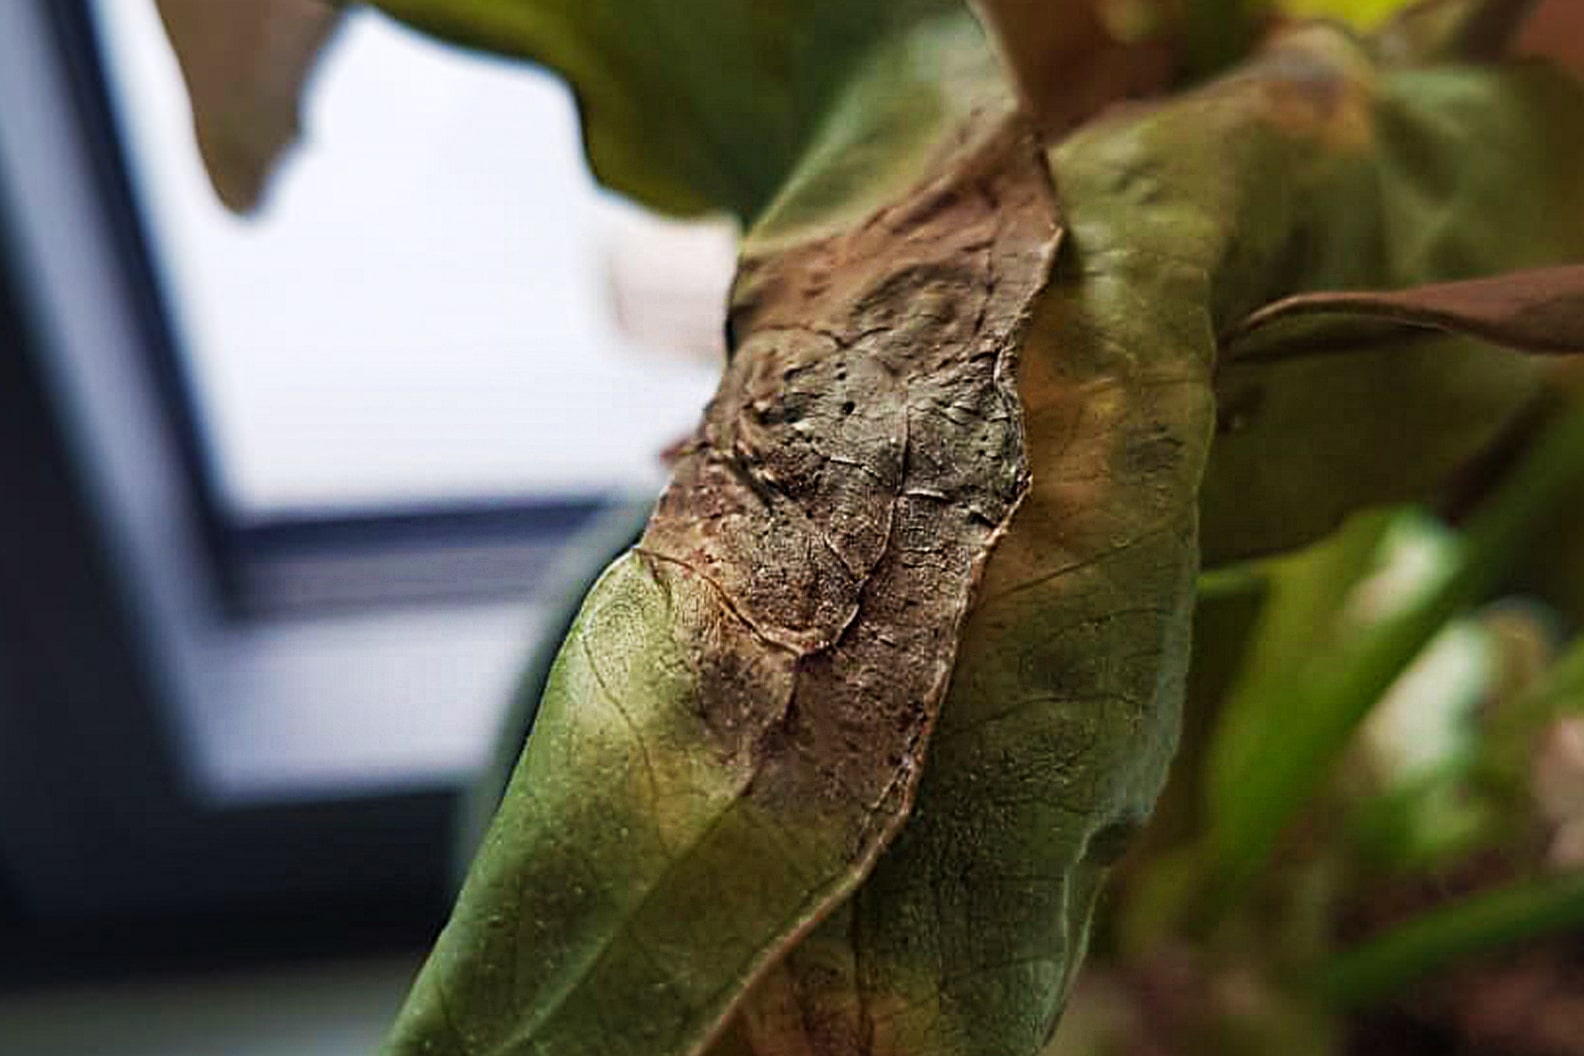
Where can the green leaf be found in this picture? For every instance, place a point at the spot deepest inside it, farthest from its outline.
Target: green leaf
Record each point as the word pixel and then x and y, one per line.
pixel 1300 440
pixel 1302 434
pixel 1325 698
pixel 1384 966
pixel 1405 782
pixel 687 107
pixel 1302 619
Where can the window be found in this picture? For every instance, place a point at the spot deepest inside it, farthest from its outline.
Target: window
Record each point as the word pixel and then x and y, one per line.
pixel 421 314
pixel 317 463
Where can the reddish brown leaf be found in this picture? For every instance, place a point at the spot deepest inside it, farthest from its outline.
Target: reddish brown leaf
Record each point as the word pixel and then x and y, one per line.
pixel 1536 310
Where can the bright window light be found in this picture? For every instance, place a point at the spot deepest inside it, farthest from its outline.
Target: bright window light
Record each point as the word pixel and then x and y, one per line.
pixel 423 311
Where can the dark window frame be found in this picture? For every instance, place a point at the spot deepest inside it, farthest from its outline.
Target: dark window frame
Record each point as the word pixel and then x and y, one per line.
pixel 109 857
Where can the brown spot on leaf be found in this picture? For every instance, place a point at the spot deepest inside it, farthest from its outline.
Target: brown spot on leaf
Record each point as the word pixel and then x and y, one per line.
pixel 867 422
pixel 862 456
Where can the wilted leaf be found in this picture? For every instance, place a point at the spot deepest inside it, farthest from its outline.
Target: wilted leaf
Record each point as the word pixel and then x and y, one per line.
pixel 735 730
pixel 245 63
pixel 817 550
pixel 1060 720
pixel 951 947
pixel 940 465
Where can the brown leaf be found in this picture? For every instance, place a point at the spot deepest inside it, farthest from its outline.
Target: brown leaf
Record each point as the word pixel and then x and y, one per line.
pixel 245 63
pixel 1535 310
pixel 868 423
pixel 736 727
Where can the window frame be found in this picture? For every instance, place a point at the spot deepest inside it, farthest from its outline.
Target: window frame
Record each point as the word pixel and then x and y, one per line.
pixel 122 557
pixel 258 566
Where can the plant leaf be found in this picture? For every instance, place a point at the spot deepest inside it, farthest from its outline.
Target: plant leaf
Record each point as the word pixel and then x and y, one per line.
pixel 1384 966
pixel 735 730
pixel 1309 590
pixel 1060 721
pixel 687 107
pixel 1537 310
pixel 245 63
pixel 1300 438
pixel 698 846
pixel 1047 753
pixel 1325 698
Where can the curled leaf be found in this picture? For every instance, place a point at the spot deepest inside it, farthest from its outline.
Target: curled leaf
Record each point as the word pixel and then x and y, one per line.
pixel 712 839
pixel 1538 310
pixel 1062 713
pixel 836 759
pixel 734 731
